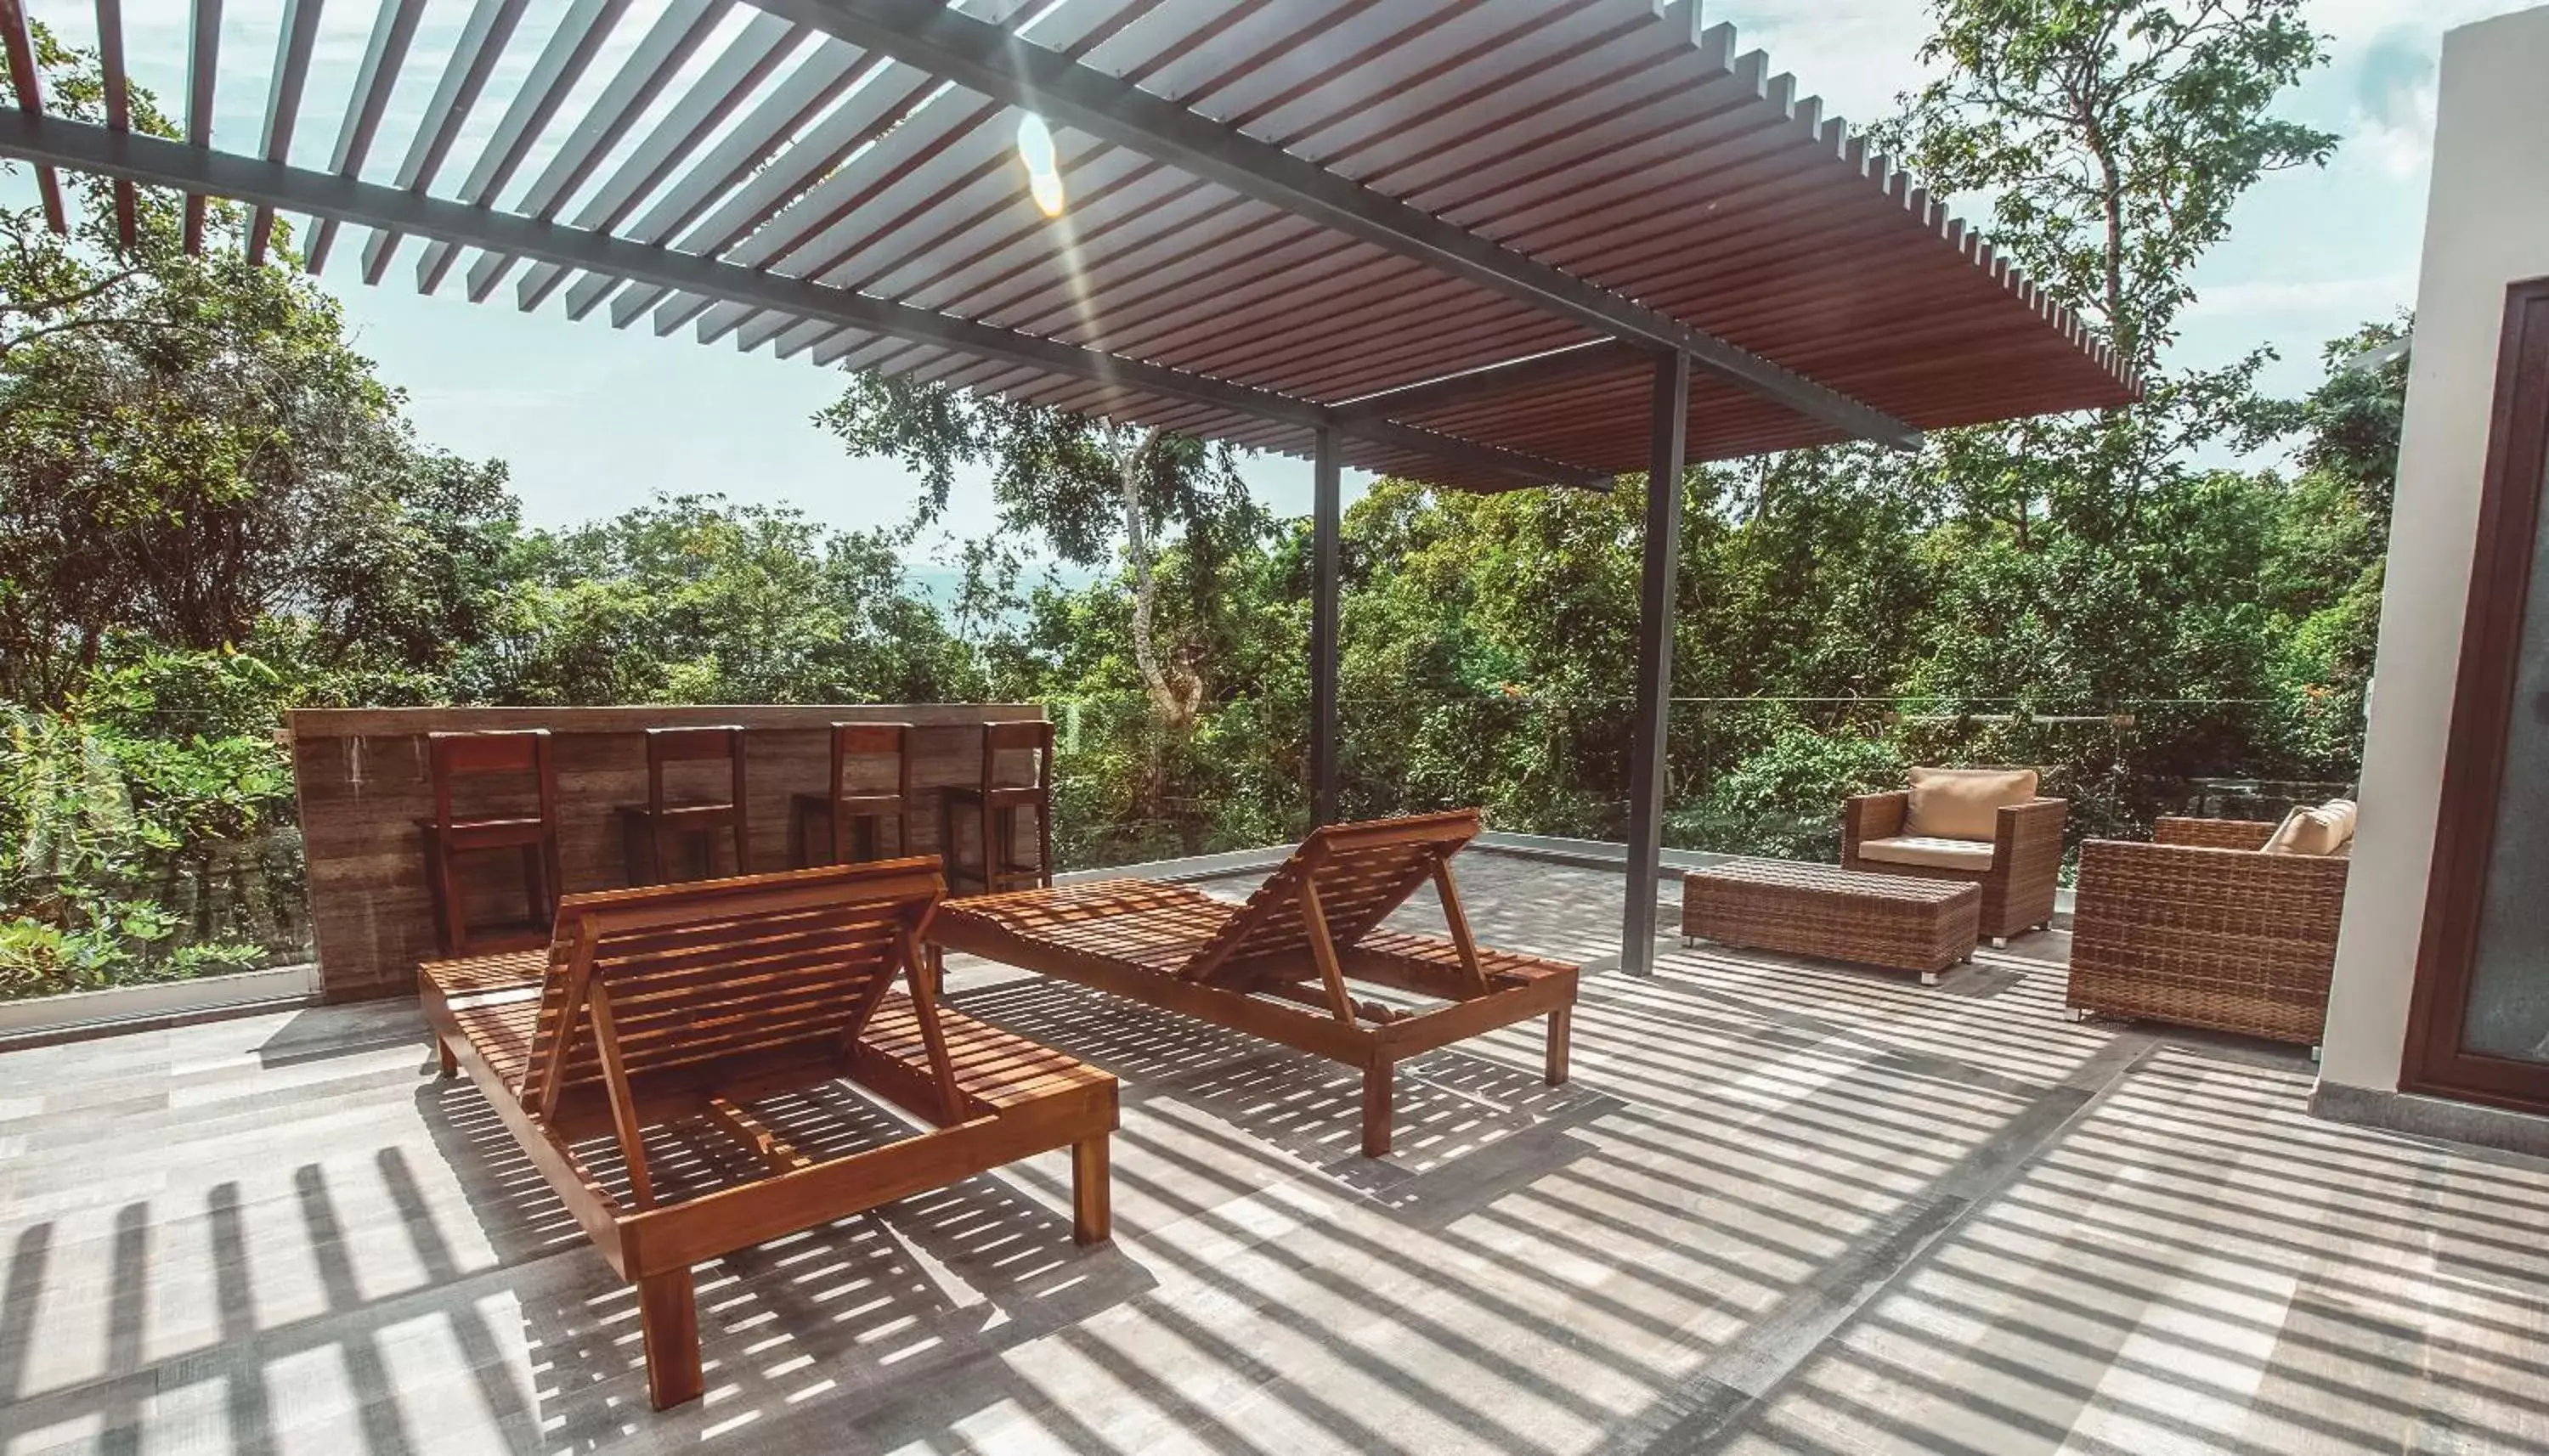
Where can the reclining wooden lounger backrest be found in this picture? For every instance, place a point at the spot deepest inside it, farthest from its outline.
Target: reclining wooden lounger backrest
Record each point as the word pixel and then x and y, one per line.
pixel 1343 881
pixel 681 986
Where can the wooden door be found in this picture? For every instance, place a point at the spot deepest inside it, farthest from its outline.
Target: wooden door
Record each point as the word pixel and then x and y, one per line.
pixel 2478 1026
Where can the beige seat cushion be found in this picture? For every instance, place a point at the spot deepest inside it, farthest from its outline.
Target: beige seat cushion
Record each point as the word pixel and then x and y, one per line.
pixel 1930 853
pixel 2320 832
pixel 1965 803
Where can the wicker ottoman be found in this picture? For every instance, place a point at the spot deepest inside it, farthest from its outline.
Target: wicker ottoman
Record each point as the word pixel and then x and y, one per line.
pixel 1889 920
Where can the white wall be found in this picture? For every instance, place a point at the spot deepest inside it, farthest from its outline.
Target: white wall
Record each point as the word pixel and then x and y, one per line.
pixel 2486 226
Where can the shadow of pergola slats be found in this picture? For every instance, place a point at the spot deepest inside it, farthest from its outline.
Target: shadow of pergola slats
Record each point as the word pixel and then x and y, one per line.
pixel 1783 1207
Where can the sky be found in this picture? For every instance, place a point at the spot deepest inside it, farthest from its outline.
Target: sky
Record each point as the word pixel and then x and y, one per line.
pixel 594 420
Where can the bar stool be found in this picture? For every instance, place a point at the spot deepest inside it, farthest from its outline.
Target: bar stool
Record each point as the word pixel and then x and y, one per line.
pixel 829 819
pixel 455 756
pixel 996 804
pixel 648 831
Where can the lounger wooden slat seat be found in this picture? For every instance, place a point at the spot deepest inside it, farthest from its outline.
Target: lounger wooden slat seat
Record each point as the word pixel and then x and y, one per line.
pixel 1283 966
pixel 690 1003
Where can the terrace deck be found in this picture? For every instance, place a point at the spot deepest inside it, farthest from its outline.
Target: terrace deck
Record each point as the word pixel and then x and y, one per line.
pixel 1783 1207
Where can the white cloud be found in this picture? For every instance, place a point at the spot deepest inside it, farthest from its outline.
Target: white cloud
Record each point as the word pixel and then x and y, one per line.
pixel 2274 299
pixel 1858 55
pixel 2394 100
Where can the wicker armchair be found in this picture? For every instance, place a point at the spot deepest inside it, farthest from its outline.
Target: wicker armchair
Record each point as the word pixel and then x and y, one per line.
pixel 2199 929
pixel 2025 863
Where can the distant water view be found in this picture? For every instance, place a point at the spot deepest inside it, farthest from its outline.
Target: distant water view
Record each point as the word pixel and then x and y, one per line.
pixel 940 584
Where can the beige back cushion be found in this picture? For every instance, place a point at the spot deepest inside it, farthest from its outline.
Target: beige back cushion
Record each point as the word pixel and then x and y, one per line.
pixel 1965 804
pixel 2320 832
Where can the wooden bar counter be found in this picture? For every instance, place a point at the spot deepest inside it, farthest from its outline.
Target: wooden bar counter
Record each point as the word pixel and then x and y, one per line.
pixel 361 778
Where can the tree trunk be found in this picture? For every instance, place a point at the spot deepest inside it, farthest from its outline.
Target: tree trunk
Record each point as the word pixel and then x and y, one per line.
pixel 1175 698
pixel 2125 334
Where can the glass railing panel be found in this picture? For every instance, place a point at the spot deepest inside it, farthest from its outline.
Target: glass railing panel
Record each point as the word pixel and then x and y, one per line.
pixel 137 858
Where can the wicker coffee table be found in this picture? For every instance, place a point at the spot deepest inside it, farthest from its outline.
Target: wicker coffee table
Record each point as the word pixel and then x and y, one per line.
pixel 1889 920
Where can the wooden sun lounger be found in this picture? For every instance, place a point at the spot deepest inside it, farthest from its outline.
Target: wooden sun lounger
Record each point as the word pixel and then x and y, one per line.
pixel 1283 966
pixel 692 1003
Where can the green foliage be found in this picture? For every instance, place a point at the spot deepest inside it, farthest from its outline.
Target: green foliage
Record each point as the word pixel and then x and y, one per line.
pixel 695 600
pixel 1783 801
pixel 2099 564
pixel 1171 509
pixel 130 857
pixel 2113 137
pixel 210 509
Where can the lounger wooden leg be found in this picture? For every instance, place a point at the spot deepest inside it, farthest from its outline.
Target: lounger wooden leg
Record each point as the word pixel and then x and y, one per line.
pixel 1561 1031
pixel 1093 1216
pixel 1377 1077
pixel 668 1310
pixel 450 1064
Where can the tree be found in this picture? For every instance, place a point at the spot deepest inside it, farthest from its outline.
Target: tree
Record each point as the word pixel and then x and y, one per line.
pixel 2323 580
pixel 1171 508
pixel 189 447
pixel 210 509
pixel 2114 137
pixel 693 599
pixel 1086 487
pixel 2352 420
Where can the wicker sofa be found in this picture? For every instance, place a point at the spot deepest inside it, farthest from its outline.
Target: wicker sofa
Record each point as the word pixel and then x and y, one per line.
pixel 2200 928
pixel 2018 881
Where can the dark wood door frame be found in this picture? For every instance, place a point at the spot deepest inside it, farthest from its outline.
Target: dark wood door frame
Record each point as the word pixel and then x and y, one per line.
pixel 2508 523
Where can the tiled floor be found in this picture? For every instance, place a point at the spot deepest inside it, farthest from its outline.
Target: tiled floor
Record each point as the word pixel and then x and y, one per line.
pixel 1782 1208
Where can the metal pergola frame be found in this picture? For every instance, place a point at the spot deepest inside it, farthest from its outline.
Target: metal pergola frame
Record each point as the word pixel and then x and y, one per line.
pixel 272 186
pixel 986 59
pixel 675 231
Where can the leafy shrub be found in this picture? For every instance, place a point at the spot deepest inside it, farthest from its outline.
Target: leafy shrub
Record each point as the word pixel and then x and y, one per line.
pixel 134 851
pixel 1784 801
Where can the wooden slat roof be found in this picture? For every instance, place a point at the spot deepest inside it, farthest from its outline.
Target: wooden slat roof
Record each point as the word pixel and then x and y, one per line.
pixel 850 200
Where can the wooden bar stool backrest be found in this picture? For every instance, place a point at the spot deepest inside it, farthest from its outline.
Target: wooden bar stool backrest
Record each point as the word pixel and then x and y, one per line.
pixel 868 741
pixel 1001 801
pixel 691 745
pixel 1030 735
pixel 671 985
pixel 523 753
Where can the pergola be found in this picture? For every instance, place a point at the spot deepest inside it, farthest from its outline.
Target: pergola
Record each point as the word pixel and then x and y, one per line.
pixel 1481 244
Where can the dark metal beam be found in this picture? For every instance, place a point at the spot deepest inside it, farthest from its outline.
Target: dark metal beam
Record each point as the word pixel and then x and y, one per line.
pixel 1327 496
pixel 995 62
pixel 1497 381
pixel 1667 452
pixel 338 198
